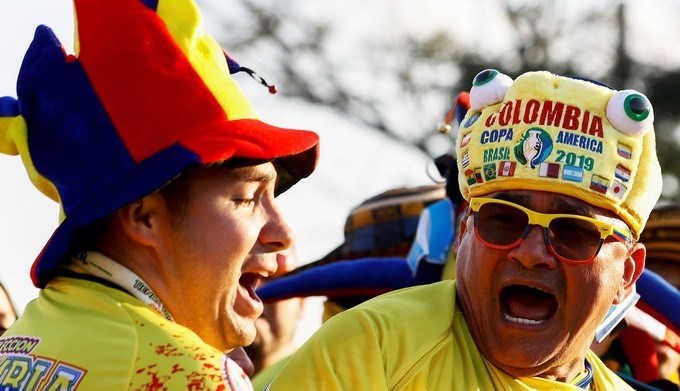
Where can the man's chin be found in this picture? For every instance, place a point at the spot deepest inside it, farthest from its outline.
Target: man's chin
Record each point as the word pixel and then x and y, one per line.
pixel 233 333
pixel 523 363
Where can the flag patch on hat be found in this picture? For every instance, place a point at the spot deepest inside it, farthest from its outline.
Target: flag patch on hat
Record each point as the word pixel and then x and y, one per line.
pixel 472 120
pixel 466 140
pixel 506 168
pixel 572 173
pixel 623 150
pixel 599 184
pixel 549 170
pixel 466 159
pixel 478 175
pixel 622 173
pixel 617 189
pixel 490 171
pixel 470 177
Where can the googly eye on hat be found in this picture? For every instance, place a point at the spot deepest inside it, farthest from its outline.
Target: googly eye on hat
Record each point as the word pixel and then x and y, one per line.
pixel 488 87
pixel 566 135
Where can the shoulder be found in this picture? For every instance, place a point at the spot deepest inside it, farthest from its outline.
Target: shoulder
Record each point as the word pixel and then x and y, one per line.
pixel 391 338
pixel 265 376
pixel 174 353
pixel 406 320
pixel 423 311
pixel 74 327
pixel 423 301
pixel 104 338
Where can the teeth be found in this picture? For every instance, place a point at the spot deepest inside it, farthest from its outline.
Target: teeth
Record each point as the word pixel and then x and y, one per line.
pixel 522 320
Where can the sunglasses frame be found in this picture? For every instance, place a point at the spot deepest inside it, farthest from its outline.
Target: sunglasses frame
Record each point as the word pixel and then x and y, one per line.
pixel 543 220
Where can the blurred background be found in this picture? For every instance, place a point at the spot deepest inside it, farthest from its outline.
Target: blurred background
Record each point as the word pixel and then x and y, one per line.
pixel 395 66
pixel 374 79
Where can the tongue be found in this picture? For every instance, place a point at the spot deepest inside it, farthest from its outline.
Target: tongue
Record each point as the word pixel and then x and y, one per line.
pixel 249 281
pixel 530 304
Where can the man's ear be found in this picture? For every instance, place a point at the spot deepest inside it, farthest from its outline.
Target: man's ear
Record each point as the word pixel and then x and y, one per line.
pixel 633 267
pixel 141 220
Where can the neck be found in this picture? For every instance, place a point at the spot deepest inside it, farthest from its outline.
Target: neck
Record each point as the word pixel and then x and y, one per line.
pixel 99 265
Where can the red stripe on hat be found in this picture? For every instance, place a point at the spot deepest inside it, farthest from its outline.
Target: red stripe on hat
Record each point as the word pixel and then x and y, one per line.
pixel 145 82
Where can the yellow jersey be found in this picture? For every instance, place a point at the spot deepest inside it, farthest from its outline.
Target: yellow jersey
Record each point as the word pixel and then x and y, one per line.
pixel 412 339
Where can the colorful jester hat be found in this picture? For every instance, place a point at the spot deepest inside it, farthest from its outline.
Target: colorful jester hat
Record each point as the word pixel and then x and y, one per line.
pixel 147 94
pixel 564 135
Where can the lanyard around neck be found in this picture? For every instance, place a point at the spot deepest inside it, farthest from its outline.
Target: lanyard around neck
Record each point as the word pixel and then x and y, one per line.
pixel 99 265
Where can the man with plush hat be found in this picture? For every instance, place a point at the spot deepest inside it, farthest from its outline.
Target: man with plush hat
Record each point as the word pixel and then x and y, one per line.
pixel 560 175
pixel 166 180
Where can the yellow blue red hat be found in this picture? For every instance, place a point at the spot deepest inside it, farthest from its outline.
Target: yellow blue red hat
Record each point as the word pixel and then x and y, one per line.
pixel 564 135
pixel 146 94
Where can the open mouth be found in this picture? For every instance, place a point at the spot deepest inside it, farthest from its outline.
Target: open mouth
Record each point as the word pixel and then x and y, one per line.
pixel 249 282
pixel 527 305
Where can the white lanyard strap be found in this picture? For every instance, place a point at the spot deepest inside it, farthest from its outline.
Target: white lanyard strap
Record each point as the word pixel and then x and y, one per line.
pixel 99 265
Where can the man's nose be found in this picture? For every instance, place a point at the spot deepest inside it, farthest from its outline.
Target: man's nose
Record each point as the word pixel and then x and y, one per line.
pixel 276 233
pixel 533 251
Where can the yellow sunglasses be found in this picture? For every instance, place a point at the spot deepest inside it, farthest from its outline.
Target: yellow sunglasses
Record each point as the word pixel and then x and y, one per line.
pixel 570 238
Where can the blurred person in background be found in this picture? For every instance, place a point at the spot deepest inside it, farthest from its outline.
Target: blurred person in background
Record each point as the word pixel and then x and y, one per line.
pixel 8 314
pixel 662 239
pixel 276 327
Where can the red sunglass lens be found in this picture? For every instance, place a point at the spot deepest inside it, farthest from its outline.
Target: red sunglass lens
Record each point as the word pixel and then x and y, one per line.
pixel 574 239
pixel 500 224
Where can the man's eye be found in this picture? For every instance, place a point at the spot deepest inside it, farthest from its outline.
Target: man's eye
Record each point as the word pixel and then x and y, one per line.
pixel 245 202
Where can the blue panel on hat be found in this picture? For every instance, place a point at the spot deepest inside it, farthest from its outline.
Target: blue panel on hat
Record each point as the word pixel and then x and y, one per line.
pixel 130 185
pixel 151 4
pixel 234 67
pixel 72 141
pixel 9 107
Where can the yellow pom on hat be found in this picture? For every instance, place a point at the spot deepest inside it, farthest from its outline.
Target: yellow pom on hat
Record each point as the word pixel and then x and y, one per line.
pixel 564 135
pixel 14 141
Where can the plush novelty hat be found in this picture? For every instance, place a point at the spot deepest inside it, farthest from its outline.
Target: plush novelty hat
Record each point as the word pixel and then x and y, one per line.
pixel 147 94
pixel 564 135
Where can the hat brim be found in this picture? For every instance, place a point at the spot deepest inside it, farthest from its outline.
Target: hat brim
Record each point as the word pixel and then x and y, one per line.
pixel 293 152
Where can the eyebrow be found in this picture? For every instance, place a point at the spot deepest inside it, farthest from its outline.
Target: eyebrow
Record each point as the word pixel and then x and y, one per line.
pixel 250 174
